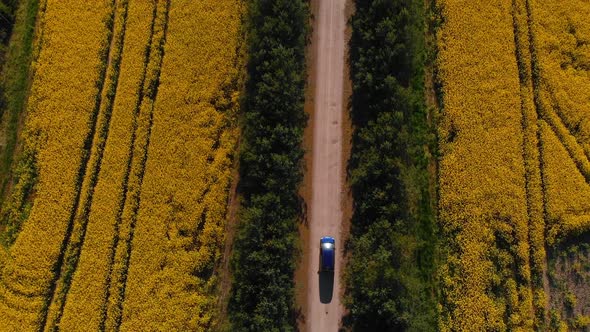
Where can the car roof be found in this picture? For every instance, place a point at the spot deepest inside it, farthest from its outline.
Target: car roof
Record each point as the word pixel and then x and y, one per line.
pixel 327 239
pixel 328 258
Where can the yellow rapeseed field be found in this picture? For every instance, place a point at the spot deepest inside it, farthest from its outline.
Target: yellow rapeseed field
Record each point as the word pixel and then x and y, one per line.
pixel 118 274
pixel 562 32
pixel 531 154
pixel 562 35
pixel 133 122
pixel 568 193
pixel 60 111
pixel 482 207
pixel 80 218
pixel 178 228
pixel 87 296
pixel 514 166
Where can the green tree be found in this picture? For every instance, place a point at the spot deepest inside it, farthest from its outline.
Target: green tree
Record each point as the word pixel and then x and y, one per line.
pixel 389 277
pixel 265 251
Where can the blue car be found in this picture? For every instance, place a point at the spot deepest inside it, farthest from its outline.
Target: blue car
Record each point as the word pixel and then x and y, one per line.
pixel 327 253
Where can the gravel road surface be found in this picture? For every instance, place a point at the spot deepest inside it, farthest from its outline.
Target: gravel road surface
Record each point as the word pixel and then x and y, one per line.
pixel 325 309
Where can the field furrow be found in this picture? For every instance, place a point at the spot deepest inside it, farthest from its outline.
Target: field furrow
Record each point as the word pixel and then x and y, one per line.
pixel 563 37
pixel 483 212
pixel 534 170
pixel 480 133
pixel 116 218
pixel 111 319
pixel 559 72
pixel 177 234
pixel 96 152
pixel 568 194
pixel 87 296
pixel 569 141
pixel 62 109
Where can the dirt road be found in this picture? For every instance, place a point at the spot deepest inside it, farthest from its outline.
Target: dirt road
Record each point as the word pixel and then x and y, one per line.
pixel 324 308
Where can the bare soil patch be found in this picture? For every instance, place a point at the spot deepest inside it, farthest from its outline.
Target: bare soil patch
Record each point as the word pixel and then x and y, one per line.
pixel 569 282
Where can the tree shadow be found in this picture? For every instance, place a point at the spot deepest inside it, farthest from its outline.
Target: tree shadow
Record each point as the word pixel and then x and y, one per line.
pixel 326 280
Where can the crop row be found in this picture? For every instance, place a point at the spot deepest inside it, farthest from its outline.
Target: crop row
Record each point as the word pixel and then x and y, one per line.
pixel 79 217
pixel 60 116
pixel 481 135
pixel 562 59
pixel 112 310
pixel 178 220
pixel 134 170
pixel 559 33
pixel 483 211
pixel 568 194
pixel 534 165
pixel 87 296
pixel 549 46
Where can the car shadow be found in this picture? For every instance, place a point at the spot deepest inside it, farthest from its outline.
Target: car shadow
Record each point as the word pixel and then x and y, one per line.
pixel 326 286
